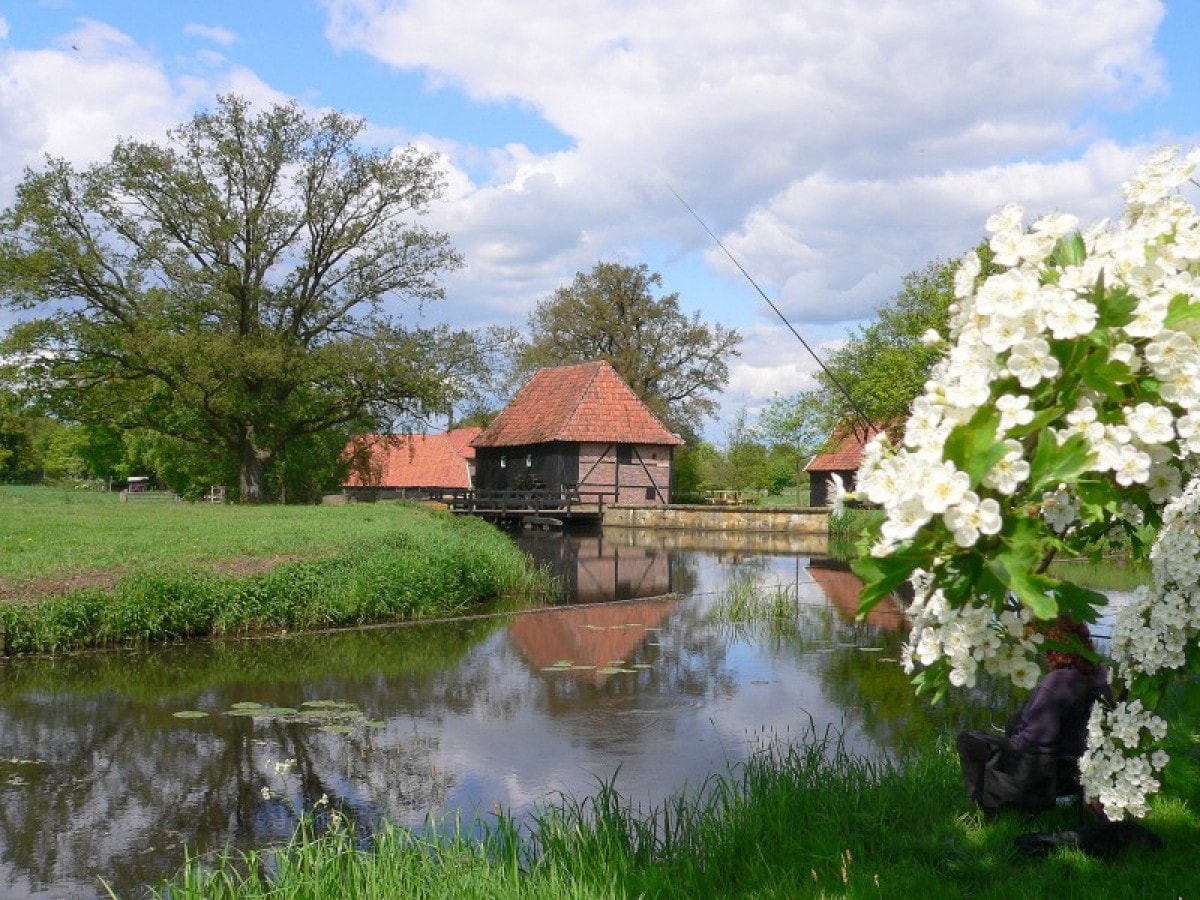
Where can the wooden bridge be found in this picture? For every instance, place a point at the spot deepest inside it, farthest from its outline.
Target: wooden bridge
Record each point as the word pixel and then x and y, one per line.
pixel 534 507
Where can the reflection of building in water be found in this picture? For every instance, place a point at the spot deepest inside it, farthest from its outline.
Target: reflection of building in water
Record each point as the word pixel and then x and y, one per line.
pixel 597 636
pixel 841 589
pixel 594 570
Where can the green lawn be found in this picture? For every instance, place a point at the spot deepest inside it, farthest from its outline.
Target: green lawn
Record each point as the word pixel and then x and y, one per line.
pixel 79 570
pixel 52 533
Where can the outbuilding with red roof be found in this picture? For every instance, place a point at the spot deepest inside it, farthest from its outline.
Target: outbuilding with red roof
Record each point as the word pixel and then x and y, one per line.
pixel 410 465
pixel 841 456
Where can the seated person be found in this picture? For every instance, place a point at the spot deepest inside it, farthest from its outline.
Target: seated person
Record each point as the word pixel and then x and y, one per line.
pixel 1037 759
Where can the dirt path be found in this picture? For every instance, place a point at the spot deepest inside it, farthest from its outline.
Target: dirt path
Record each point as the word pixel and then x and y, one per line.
pixel 51 586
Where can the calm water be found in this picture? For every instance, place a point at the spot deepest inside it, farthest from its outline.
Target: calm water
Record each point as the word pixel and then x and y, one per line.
pixel 100 778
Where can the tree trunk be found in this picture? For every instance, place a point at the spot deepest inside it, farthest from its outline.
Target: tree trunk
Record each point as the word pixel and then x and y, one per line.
pixel 252 470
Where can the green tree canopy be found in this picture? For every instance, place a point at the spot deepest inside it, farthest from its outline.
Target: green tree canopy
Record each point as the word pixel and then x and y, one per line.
pixel 883 365
pixel 226 287
pixel 673 362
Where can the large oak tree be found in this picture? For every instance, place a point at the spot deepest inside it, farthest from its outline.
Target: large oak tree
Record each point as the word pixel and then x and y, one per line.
pixel 675 363
pixel 227 286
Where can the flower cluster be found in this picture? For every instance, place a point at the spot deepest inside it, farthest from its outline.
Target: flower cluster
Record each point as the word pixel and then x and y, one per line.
pixel 970 639
pixel 1120 764
pixel 1158 627
pixel 1066 406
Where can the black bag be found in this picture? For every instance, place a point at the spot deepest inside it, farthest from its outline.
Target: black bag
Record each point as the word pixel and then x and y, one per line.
pixel 999 776
pixel 1016 780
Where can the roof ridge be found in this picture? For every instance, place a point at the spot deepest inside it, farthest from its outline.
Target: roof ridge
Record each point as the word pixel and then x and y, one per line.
pixel 637 397
pixel 598 366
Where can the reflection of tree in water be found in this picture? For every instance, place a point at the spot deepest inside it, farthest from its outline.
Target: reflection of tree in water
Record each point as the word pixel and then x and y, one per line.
pixel 122 786
pixel 875 690
pixel 108 781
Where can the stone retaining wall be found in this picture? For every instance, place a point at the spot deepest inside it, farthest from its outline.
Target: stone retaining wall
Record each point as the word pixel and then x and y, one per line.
pixel 806 519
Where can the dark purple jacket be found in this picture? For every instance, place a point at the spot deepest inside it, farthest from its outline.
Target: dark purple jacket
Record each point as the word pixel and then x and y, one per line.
pixel 1055 718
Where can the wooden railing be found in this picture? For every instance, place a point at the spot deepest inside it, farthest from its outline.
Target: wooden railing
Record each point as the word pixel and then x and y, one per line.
pixel 505 503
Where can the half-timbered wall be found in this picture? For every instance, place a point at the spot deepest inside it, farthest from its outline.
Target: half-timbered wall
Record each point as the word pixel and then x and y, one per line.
pixel 637 474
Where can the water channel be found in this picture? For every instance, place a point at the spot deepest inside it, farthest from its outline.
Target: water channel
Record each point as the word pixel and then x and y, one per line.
pixel 111 763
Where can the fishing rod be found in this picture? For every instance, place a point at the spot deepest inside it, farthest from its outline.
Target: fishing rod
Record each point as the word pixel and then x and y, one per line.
pixel 869 427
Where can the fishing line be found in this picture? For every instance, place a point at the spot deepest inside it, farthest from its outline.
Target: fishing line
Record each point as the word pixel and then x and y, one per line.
pixel 869 426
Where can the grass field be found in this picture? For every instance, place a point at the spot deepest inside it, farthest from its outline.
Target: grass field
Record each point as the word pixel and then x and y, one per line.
pixel 82 569
pixel 53 534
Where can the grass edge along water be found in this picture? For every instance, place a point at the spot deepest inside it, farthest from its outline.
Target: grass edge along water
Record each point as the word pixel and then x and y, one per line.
pixel 429 564
pixel 802 818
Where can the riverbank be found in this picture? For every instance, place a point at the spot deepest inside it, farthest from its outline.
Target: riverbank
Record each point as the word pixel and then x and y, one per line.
pixel 83 570
pixel 799 820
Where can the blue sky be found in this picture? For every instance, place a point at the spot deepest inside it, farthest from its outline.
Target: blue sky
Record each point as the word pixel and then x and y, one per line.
pixel 834 145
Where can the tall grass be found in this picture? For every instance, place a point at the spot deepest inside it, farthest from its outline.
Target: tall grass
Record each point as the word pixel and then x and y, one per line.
pixel 423 563
pixel 801 819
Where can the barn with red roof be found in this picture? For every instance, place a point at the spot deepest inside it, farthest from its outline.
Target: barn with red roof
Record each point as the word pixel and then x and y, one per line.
pixel 578 428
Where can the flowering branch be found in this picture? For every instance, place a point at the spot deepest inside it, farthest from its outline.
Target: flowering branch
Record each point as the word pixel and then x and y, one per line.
pixel 1065 412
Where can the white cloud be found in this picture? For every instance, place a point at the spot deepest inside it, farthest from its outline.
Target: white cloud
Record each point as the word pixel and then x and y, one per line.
pixel 838 145
pixel 215 33
pixel 835 145
pixel 75 101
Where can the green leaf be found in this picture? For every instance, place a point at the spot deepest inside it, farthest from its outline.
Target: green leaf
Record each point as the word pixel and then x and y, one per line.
pixel 1070 250
pixel 1080 602
pixel 882 575
pixel 1053 463
pixel 1115 306
pixel 1180 310
pixel 1035 592
pixel 1040 420
pixel 973 447
pixel 958 575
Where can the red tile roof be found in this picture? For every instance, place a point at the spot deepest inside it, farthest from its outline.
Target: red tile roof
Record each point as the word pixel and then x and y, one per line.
pixel 587 402
pixel 843 451
pixel 411 460
pixel 461 439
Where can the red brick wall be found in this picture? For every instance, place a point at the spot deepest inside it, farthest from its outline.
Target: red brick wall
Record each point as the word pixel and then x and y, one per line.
pixel 651 467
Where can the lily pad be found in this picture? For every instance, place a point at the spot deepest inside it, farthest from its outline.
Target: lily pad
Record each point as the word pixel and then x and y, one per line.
pixel 190 714
pixel 248 713
pixel 562 664
pixel 642 666
pixel 247 704
pixel 609 670
pixel 375 723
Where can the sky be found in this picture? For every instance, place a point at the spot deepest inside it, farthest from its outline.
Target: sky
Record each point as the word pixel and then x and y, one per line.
pixel 833 145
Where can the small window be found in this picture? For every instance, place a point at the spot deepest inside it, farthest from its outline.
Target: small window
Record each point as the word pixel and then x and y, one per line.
pixel 651 493
pixel 624 454
pixel 528 460
pixel 503 461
